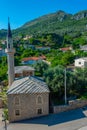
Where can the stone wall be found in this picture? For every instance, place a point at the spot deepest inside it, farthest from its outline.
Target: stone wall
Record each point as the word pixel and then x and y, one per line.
pixel 24 73
pixel 74 104
pixel 28 106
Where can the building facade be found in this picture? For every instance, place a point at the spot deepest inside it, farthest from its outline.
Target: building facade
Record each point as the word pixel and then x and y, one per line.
pixel 83 48
pixel 81 62
pixel 28 96
pixel 32 60
pixel 23 71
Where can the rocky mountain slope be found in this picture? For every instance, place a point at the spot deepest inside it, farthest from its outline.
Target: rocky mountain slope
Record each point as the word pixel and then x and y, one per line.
pixel 59 23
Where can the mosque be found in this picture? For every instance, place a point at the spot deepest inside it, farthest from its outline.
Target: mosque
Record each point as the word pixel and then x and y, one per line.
pixel 28 96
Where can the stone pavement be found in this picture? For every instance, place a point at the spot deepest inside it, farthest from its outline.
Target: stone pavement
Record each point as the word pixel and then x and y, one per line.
pixel 83 128
pixel 71 120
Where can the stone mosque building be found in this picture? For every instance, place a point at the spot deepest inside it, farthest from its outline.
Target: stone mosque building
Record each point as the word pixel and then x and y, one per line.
pixel 28 96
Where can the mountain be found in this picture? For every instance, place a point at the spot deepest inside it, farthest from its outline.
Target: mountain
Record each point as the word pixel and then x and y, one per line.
pixel 80 15
pixel 59 22
pixel 45 24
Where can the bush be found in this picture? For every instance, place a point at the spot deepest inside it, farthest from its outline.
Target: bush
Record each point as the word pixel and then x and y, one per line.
pixel 5 111
pixel 84 96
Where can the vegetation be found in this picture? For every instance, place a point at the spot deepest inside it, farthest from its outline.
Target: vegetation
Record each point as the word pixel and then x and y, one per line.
pixel 59 23
pixel 56 31
pixel 76 83
pixel 40 68
pixel 3 68
pixel 3 96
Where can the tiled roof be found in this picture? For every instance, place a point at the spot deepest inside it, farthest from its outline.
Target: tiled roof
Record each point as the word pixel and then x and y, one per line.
pixel 28 85
pixel 20 69
pixel 30 58
pixel 65 49
pixel 34 58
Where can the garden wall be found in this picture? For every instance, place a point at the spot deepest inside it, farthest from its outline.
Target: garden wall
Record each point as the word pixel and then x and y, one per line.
pixel 74 104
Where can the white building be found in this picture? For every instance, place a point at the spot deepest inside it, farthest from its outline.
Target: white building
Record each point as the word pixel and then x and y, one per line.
pixel 81 62
pixel 83 48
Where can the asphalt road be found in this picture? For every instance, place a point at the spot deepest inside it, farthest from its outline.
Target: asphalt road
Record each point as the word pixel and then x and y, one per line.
pixel 71 120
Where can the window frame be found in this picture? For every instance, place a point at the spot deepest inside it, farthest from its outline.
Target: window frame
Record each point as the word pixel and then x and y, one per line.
pixel 17 115
pixel 80 62
pixel 39 112
pixel 17 102
pixel 37 99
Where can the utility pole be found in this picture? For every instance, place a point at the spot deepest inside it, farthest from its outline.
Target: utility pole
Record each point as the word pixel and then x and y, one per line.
pixel 65 86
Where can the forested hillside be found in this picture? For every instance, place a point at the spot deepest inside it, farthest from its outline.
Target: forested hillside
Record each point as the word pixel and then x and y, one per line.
pixel 59 23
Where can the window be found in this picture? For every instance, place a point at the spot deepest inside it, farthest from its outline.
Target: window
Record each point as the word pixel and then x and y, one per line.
pixel 17 112
pixel 31 74
pixel 39 111
pixel 26 73
pixel 80 63
pixel 39 99
pixel 17 101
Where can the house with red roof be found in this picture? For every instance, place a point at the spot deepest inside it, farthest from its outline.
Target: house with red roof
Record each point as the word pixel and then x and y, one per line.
pixel 32 60
pixel 66 49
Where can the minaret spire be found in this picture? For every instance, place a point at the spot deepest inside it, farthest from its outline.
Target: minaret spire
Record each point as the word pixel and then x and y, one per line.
pixel 10 55
pixel 9 34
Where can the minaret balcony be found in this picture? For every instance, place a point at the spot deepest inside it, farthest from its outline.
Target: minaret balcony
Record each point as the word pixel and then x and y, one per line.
pixel 10 50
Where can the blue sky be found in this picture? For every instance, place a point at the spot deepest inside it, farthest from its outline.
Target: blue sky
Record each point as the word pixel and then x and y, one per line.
pixel 22 11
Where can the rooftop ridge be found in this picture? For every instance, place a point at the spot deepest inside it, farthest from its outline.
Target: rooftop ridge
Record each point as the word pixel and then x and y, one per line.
pixel 29 84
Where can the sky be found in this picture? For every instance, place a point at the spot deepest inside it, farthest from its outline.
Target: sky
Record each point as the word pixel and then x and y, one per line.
pixel 22 11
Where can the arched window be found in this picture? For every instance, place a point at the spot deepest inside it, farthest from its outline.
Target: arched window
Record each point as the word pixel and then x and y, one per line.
pixel 39 99
pixel 17 102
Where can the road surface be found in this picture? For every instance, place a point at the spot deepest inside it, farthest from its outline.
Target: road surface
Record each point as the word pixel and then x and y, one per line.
pixel 71 120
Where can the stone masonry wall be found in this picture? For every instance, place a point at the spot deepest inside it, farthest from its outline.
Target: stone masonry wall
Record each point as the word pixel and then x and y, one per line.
pixel 28 106
pixel 74 104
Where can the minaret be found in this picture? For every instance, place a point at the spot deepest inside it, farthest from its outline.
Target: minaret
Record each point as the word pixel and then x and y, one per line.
pixel 10 55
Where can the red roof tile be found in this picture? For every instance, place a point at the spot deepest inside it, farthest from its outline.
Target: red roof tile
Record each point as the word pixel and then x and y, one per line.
pixel 65 49
pixel 34 58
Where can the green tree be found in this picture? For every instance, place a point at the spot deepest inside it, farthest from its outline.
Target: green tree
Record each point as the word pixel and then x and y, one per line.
pixel 67 58
pixel 3 72
pixel 64 59
pixel 41 67
pixel 76 81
